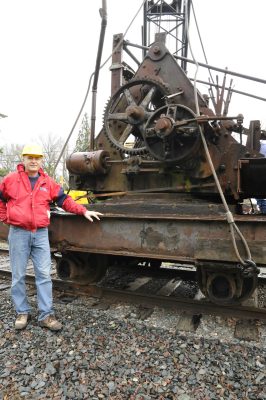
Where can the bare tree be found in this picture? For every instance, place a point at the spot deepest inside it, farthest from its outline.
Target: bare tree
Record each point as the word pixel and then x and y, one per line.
pixel 52 146
pixel 10 156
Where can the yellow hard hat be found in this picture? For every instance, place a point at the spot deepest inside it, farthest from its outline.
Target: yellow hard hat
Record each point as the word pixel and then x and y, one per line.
pixel 32 150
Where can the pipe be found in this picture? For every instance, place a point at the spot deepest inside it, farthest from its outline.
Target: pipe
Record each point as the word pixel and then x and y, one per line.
pixel 103 13
pixel 226 71
pixel 232 90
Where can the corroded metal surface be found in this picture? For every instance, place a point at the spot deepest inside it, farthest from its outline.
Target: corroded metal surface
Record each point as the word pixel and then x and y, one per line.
pixel 164 231
pixel 151 117
pixel 169 230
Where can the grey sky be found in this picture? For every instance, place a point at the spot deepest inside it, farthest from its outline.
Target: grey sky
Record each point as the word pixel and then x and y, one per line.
pixel 48 52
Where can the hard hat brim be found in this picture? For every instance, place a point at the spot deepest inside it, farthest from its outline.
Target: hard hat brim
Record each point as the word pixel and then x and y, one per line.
pixel 33 155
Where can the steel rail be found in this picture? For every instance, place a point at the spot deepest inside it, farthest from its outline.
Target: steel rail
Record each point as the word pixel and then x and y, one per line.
pixel 191 306
pixel 187 305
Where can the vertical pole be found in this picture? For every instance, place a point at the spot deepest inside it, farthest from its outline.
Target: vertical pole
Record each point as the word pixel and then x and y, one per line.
pixel 103 13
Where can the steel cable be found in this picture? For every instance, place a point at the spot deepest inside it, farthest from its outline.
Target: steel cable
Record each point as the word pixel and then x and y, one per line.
pixel 229 215
pixel 89 85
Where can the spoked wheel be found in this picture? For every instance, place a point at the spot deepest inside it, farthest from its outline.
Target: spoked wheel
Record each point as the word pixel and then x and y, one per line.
pixel 82 268
pixel 172 134
pixel 128 110
pixel 226 287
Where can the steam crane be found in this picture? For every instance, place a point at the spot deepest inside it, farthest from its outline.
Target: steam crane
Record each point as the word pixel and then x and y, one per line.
pixel 167 173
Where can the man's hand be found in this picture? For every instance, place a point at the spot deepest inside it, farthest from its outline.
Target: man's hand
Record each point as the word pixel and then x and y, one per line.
pixel 89 214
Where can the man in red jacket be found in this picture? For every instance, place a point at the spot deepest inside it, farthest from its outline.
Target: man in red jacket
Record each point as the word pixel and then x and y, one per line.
pixel 25 197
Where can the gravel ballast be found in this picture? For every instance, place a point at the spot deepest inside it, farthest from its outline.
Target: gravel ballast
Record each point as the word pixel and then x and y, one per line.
pixel 110 354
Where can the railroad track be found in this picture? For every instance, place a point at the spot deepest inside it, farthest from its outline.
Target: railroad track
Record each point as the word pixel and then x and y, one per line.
pixel 135 292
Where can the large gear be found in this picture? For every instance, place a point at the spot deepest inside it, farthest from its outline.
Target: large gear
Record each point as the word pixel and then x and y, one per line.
pixel 171 134
pixel 128 111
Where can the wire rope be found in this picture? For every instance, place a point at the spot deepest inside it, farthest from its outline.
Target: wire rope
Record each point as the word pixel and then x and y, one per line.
pixel 89 85
pixel 201 42
pixel 229 216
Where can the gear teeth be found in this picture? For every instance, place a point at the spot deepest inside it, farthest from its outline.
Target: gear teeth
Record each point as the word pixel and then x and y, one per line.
pixel 134 151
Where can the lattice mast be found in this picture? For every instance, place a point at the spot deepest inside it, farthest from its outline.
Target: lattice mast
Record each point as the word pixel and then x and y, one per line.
pixel 167 17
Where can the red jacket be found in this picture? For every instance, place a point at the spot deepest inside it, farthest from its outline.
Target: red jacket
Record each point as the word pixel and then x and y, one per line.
pixel 30 209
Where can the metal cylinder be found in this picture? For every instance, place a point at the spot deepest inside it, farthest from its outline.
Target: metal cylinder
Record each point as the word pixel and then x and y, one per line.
pixel 88 163
pixel 221 288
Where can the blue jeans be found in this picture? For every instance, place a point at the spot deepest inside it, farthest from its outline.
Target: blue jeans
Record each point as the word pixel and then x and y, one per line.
pixel 24 245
